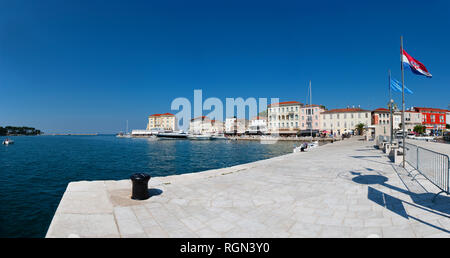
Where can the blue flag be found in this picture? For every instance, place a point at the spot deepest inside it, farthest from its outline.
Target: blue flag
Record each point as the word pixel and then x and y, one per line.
pixel 396 86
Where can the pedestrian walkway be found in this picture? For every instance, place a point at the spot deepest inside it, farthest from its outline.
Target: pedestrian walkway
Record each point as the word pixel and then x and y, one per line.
pixel 342 189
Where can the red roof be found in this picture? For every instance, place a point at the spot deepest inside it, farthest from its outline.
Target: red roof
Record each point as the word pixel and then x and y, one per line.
pixel 381 110
pixel 259 117
pixel 165 114
pixel 344 110
pixel 424 109
pixel 285 103
pixel 200 117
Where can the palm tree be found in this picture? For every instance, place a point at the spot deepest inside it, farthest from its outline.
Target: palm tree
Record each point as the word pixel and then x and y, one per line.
pixel 360 128
pixel 420 129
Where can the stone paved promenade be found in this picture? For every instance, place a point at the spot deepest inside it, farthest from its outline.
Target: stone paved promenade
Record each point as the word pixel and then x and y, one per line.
pixel 344 189
pixel 443 148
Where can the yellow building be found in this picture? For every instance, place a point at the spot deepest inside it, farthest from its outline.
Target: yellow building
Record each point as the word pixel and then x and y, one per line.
pixel 165 121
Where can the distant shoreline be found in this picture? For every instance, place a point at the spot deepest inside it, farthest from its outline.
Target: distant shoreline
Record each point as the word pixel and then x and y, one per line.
pixel 75 134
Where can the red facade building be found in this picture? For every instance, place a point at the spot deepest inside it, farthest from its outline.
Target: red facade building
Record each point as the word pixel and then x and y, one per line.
pixel 433 118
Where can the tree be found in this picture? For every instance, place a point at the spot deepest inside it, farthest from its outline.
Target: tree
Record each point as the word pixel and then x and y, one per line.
pixel 3 131
pixel 420 129
pixel 360 128
pixel 263 113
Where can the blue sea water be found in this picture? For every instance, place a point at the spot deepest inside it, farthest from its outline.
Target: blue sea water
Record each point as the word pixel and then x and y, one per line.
pixel 35 171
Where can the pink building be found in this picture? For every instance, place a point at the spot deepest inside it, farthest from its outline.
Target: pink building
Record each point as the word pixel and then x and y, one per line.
pixel 310 117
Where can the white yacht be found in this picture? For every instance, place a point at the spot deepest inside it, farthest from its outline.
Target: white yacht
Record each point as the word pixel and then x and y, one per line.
pixel 172 135
pixel 7 141
pixel 313 144
pixel 199 137
pixel 307 146
pixel 124 135
pixel 218 137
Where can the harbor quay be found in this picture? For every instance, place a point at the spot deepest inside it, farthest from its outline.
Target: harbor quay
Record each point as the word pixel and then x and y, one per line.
pixel 345 189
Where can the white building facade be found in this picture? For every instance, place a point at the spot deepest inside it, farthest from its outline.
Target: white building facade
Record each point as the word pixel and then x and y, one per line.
pixel 258 125
pixel 200 125
pixel 344 120
pixel 292 117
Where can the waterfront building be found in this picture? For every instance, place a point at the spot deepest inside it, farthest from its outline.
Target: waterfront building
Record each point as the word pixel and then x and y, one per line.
pixel 235 125
pixel 344 120
pixel 412 118
pixel 433 118
pixel 310 119
pixel 200 125
pixel 381 116
pixel 165 121
pixel 231 125
pixel 217 127
pixel 242 125
pixel 381 120
pixel 447 117
pixel 258 125
pixel 204 125
pixel 285 118
pixel 293 117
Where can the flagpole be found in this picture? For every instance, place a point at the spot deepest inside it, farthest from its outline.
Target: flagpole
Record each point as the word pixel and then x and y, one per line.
pixel 390 108
pixel 403 101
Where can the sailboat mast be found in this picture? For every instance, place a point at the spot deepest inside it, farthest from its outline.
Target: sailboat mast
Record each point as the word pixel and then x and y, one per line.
pixel 127 127
pixel 310 107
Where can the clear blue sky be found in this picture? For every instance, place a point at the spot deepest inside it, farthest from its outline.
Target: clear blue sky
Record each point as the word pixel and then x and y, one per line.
pixel 88 66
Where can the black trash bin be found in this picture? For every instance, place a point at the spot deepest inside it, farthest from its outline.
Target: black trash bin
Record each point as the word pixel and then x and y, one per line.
pixel 140 186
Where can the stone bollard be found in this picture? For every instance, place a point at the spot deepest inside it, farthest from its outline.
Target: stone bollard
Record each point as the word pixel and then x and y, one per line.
pixel 140 186
pixel 388 148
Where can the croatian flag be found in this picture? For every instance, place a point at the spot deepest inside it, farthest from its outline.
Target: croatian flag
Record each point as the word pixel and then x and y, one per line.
pixel 416 66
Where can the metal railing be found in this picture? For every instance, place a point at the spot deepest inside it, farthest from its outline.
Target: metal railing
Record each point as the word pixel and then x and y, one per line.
pixel 434 166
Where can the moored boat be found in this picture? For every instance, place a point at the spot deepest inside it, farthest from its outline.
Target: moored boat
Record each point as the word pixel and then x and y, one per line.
pixel 122 135
pixel 218 137
pixel 306 147
pixel 199 137
pixel 172 135
pixel 8 142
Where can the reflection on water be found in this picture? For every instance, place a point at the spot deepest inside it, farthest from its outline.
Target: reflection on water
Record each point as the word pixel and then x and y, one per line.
pixel 36 170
